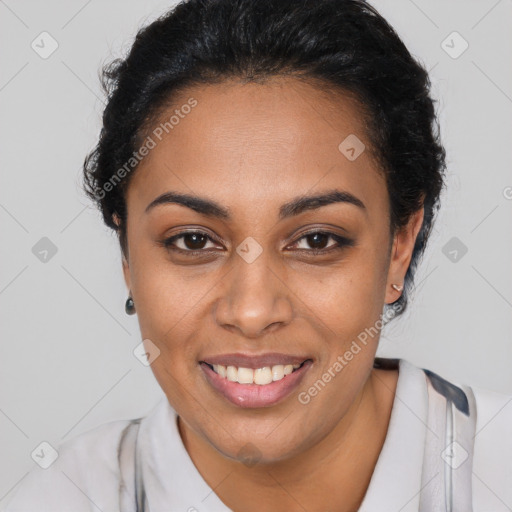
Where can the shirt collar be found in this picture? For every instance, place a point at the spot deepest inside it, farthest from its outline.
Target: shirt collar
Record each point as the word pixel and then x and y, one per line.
pixel 396 480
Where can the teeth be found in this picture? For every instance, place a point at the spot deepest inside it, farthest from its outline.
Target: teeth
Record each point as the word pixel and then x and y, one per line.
pixel 232 373
pixel 221 370
pixel 277 372
pixel 260 376
pixel 245 375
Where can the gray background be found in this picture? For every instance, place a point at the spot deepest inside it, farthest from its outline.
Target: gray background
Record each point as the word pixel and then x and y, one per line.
pixel 67 363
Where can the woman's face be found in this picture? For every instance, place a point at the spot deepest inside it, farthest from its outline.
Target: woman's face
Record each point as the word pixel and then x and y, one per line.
pixel 255 287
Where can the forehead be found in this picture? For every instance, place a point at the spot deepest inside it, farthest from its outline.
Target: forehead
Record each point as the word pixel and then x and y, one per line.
pixel 264 141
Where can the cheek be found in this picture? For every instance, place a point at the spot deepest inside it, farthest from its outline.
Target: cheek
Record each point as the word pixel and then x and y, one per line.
pixel 369 275
pixel 162 299
pixel 164 292
pixel 347 297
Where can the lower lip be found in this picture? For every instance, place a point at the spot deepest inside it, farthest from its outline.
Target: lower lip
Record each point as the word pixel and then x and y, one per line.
pixel 255 395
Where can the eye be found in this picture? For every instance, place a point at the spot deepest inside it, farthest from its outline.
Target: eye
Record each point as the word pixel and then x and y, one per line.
pixel 189 241
pixel 318 242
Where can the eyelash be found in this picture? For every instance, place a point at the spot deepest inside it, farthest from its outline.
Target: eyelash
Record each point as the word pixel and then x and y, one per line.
pixel 341 243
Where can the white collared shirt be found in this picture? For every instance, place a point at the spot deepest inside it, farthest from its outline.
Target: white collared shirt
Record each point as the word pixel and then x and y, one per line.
pixel 85 477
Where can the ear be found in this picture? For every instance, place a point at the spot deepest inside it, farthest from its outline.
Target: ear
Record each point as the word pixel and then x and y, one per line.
pixel 401 254
pixel 126 273
pixel 126 266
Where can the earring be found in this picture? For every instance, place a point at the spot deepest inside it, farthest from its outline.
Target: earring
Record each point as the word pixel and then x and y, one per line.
pixel 397 287
pixel 129 306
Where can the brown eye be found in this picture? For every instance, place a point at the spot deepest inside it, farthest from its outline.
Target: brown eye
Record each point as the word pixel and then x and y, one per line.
pixel 188 241
pixel 194 241
pixel 318 242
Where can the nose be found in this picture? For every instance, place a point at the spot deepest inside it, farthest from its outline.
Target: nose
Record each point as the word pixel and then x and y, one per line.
pixel 255 298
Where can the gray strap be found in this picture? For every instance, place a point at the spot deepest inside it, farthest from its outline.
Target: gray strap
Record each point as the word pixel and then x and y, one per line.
pixel 140 494
pixel 131 490
pixel 448 459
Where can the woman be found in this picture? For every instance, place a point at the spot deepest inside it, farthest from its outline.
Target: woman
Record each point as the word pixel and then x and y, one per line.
pixel 272 170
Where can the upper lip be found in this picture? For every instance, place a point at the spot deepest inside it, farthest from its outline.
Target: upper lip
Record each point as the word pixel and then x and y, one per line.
pixel 254 361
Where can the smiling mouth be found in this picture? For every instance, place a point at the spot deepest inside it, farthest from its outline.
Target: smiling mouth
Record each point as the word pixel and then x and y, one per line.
pixel 260 376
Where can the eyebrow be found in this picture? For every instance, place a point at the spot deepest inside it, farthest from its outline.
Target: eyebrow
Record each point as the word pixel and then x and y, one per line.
pixel 294 207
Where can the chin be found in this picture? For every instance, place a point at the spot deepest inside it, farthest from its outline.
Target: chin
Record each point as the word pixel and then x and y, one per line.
pixel 252 450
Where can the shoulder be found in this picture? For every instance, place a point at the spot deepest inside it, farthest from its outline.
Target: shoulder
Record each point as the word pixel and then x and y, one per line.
pixel 493 408
pixel 491 472
pixel 492 458
pixel 84 476
pixel 493 433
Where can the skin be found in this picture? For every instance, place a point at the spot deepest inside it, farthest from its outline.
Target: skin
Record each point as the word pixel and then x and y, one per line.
pixel 252 148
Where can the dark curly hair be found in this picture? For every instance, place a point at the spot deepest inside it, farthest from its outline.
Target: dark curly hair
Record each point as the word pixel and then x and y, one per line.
pixel 338 45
